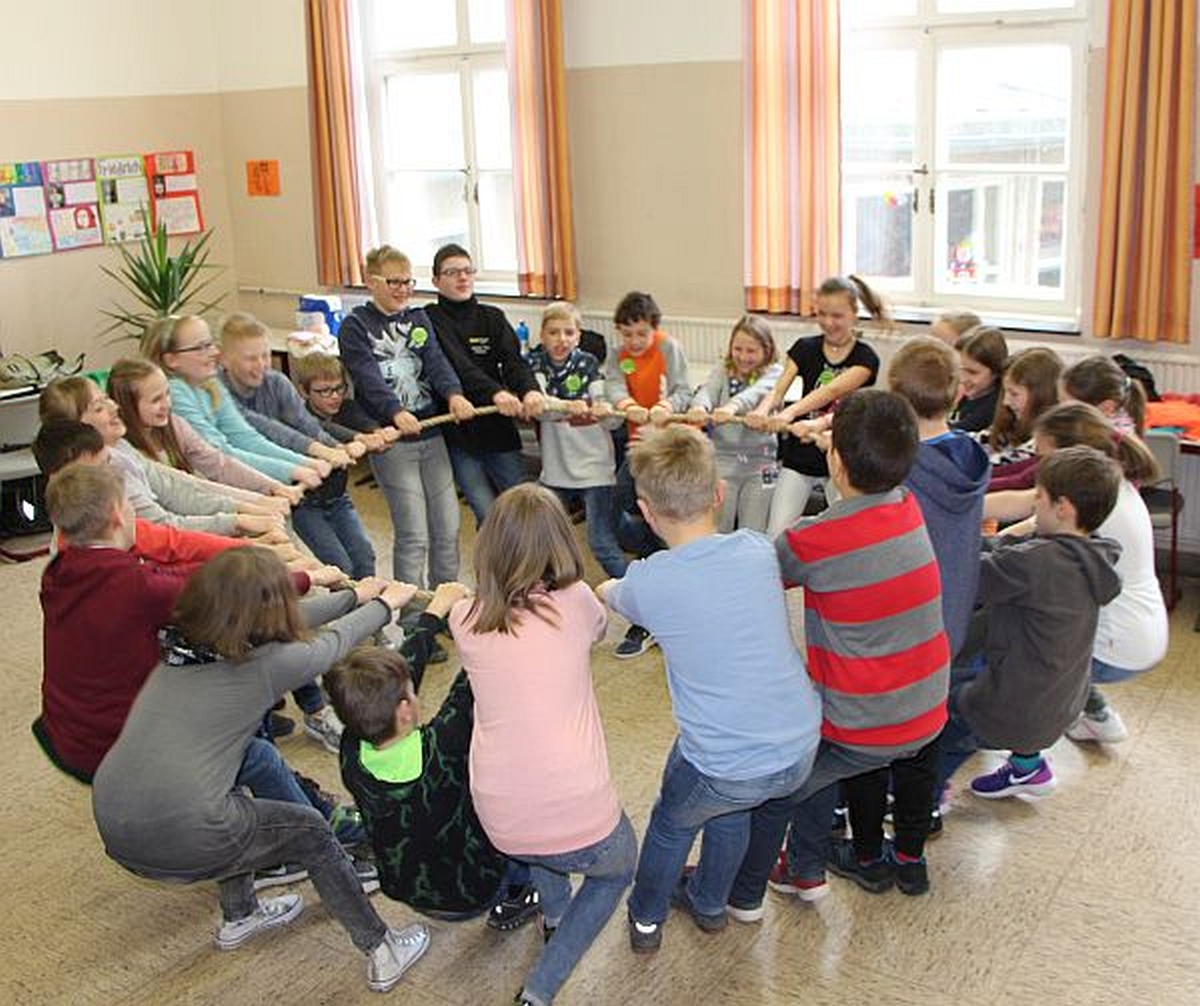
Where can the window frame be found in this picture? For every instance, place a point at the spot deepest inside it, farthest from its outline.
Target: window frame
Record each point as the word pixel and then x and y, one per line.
pixel 466 58
pixel 928 34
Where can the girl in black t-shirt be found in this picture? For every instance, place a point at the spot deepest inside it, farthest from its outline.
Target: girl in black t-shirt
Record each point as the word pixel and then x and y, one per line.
pixel 831 365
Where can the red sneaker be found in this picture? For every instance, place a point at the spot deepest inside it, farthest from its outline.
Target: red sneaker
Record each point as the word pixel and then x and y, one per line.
pixel 805 888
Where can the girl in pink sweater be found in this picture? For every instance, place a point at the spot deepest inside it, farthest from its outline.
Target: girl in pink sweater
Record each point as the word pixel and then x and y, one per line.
pixel 539 763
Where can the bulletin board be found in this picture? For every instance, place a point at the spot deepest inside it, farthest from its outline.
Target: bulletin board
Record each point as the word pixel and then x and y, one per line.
pixel 60 205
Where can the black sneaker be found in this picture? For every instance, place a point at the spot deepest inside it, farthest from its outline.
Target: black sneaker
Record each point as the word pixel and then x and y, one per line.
pixel 682 900
pixel 437 654
pixel 520 906
pixel 644 937
pixel 636 642
pixel 913 878
pixel 875 877
pixel 281 726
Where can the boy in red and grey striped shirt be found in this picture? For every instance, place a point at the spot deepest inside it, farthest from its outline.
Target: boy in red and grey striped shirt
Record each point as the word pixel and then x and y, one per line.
pixel 877 652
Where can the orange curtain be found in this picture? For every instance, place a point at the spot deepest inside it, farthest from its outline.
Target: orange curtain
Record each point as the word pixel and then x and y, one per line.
pixel 1143 271
pixel 335 171
pixel 793 141
pixel 541 165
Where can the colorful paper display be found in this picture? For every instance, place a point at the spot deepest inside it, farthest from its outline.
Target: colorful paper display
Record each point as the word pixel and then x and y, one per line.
pixel 176 196
pixel 74 201
pixel 24 227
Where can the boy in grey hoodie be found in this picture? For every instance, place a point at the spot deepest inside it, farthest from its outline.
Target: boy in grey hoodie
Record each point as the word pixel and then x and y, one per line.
pixel 1042 595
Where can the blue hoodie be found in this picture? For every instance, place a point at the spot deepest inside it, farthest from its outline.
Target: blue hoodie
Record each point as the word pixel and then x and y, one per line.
pixel 949 478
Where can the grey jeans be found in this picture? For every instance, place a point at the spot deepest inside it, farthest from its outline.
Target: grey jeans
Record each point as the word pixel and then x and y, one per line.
pixel 418 484
pixel 289 833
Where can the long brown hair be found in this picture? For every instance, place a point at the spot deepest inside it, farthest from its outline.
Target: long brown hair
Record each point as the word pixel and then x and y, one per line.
pixel 1037 370
pixel 1073 424
pixel 158 444
pixel 525 548
pixel 238 600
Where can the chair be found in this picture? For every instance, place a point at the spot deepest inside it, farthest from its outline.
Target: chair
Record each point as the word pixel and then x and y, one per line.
pixel 1165 501
pixel 20 478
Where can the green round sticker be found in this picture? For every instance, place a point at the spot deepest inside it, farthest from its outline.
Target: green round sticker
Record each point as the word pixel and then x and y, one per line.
pixel 573 383
pixel 628 366
pixel 418 337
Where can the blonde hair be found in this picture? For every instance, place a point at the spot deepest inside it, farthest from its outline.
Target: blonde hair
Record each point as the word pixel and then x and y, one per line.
pixel 960 321
pixel 316 367
pixel 238 600
pixel 377 258
pixel 241 327
pixel 526 548
pixel 159 339
pixel 562 310
pixel 80 500
pixel 675 471
pixel 760 332
pixel 926 372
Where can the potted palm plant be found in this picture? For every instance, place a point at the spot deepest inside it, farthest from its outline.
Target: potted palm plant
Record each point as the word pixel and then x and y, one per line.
pixel 162 284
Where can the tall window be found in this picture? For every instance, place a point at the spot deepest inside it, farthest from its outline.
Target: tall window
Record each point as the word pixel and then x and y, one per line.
pixel 438 107
pixel 962 151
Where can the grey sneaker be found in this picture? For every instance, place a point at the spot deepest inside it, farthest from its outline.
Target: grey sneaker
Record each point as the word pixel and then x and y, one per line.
pixel 636 642
pixel 271 912
pixel 325 727
pixel 399 951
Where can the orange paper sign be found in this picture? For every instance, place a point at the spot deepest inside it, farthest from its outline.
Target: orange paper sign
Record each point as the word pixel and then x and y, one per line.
pixel 262 178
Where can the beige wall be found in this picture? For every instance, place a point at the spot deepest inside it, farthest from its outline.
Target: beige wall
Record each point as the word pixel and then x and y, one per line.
pixel 54 300
pixel 655 112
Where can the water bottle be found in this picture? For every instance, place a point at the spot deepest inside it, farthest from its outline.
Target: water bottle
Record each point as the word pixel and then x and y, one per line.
pixel 523 337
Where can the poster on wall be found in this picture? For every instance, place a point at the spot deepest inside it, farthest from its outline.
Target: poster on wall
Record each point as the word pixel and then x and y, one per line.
pixel 74 203
pixel 24 229
pixel 176 196
pixel 124 197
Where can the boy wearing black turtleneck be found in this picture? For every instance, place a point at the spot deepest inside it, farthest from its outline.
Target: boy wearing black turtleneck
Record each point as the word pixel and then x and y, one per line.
pixel 483 349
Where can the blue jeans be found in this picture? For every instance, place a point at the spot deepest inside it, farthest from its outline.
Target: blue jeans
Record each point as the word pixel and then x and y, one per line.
pixel 602 535
pixel 267 776
pixel 483 477
pixel 417 482
pixel 809 842
pixel 689 801
pixel 1111 674
pixel 332 530
pixel 607 868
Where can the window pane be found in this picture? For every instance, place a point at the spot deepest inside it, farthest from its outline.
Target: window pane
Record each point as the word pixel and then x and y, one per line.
pixel 412 24
pixel 426 209
pixel 1000 6
pixel 877 229
pixel 497 224
pixel 1002 233
pixel 423 121
pixel 1008 105
pixel 486 18
pixel 879 101
pixel 493 146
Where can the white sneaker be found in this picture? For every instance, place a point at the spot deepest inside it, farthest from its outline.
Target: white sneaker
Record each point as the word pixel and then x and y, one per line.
pixel 399 951
pixel 1107 728
pixel 324 726
pixel 271 912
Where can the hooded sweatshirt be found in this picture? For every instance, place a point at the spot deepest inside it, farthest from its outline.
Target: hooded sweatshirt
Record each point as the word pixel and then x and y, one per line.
pixel 1044 595
pixel 949 478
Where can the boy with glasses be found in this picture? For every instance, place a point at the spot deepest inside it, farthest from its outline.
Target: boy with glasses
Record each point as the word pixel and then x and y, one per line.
pixel 483 348
pixel 400 377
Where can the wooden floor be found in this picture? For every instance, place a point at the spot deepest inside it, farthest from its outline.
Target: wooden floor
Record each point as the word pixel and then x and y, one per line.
pixel 1089 897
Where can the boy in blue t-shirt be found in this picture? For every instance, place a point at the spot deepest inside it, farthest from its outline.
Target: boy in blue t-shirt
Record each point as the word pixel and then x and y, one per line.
pixel 749 719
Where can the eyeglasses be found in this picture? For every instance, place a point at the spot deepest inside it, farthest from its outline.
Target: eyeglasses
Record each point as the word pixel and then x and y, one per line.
pixel 459 270
pixel 200 347
pixel 330 392
pixel 396 283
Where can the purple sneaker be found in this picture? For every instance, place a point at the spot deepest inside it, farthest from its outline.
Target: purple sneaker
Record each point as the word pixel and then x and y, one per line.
pixel 1006 781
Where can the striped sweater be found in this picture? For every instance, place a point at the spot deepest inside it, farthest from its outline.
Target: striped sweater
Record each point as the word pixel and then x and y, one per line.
pixel 877 652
